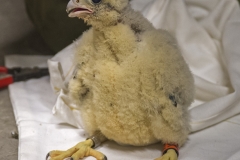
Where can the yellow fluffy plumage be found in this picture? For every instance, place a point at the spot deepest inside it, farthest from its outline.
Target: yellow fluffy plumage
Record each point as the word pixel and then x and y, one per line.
pixel 127 71
pixel 131 83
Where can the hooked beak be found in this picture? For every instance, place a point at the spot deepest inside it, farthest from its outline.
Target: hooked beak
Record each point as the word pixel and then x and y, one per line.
pixel 77 9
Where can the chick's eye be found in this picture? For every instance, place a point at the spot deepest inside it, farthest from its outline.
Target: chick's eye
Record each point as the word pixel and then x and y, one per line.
pixel 96 1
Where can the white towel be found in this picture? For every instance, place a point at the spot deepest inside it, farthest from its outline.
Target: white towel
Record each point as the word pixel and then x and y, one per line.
pixel 208 33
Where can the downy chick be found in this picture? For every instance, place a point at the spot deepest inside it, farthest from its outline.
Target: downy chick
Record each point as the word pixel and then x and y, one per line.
pixel 131 83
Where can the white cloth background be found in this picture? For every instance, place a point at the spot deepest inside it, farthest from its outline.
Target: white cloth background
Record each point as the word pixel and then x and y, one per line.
pixel 208 34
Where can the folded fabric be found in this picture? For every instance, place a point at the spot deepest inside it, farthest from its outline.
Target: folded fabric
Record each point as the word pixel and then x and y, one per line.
pixel 41 132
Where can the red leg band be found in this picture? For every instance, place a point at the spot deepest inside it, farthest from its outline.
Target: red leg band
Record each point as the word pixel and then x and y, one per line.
pixel 170 146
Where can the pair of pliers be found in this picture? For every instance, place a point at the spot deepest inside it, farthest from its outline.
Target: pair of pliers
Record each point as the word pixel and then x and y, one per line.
pixel 11 75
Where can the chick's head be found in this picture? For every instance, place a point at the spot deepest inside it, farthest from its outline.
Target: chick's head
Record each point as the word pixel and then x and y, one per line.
pixel 97 12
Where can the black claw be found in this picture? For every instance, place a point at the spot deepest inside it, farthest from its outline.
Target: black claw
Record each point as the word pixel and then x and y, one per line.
pixel 47 156
pixel 105 158
pixel 71 158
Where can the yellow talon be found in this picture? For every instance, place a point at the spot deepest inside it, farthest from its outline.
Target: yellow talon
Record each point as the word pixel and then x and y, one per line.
pixel 170 155
pixel 81 150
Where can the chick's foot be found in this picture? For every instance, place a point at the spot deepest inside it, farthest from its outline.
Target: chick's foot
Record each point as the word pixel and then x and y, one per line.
pixel 79 151
pixel 170 155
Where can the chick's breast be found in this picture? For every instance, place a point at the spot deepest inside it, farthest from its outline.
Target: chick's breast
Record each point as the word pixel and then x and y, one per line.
pixel 128 98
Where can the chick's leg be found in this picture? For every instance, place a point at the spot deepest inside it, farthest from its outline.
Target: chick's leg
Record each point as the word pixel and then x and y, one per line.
pixel 170 152
pixel 81 150
pixel 170 155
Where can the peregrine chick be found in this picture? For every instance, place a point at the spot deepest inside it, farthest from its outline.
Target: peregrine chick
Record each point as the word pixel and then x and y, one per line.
pixel 131 83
